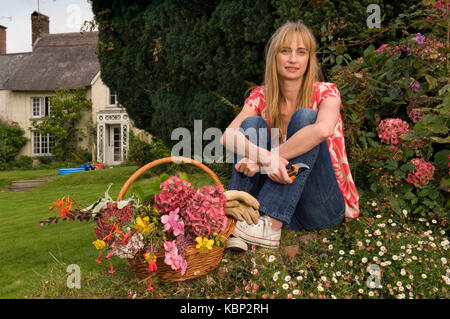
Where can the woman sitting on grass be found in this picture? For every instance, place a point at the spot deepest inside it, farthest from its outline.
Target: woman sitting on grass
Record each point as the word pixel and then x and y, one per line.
pixel 306 115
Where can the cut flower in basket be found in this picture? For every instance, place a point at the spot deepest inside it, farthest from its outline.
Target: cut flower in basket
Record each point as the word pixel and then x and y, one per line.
pixel 177 217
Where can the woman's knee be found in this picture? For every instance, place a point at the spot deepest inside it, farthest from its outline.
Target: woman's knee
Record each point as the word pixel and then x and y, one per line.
pixel 302 118
pixel 255 130
pixel 253 122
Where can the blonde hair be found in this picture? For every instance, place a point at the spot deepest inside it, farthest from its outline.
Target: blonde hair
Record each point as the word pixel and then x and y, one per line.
pixel 272 92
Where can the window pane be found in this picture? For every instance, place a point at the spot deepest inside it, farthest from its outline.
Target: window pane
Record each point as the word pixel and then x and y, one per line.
pixel 36 107
pixel 36 143
pixel 47 106
pixel 112 98
pixel 44 144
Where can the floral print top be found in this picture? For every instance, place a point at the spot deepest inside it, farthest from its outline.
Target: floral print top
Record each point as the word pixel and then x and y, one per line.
pixel 335 142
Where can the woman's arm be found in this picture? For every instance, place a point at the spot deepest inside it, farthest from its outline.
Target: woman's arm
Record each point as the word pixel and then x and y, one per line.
pixel 235 141
pixel 312 135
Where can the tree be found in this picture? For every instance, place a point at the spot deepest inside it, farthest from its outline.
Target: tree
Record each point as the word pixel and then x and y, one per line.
pixel 66 111
pixel 171 61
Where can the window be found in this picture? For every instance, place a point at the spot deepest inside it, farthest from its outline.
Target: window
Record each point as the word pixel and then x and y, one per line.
pixel 36 107
pixel 112 99
pixel 43 143
pixel 41 106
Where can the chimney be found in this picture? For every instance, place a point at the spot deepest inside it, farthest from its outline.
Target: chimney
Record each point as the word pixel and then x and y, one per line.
pixel 2 39
pixel 39 24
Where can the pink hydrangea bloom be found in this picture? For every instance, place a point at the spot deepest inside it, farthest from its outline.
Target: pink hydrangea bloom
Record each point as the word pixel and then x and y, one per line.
pixel 390 130
pixel 188 214
pixel 205 214
pixel 173 223
pixel 423 173
pixel 175 193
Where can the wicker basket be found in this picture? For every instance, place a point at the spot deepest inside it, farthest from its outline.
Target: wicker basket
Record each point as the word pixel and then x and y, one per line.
pixel 198 263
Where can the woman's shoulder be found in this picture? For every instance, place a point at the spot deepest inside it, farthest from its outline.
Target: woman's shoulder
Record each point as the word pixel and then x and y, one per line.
pixel 256 99
pixel 256 93
pixel 325 89
pixel 325 86
pixel 258 90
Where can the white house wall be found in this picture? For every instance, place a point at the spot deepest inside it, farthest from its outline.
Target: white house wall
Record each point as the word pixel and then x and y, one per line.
pixel 16 108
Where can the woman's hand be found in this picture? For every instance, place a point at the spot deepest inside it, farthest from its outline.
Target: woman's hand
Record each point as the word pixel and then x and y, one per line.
pixel 247 167
pixel 275 168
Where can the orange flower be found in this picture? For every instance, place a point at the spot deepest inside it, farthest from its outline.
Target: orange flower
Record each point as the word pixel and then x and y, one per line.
pixel 64 206
pixel 116 229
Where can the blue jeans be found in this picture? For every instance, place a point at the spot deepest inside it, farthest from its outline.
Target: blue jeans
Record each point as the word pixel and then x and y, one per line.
pixel 314 200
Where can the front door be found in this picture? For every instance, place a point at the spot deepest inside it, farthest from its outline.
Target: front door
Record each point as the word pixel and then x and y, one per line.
pixel 113 145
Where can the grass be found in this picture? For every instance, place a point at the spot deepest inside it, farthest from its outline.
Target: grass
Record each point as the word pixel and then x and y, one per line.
pixel 30 254
pixel 6 177
pixel 406 256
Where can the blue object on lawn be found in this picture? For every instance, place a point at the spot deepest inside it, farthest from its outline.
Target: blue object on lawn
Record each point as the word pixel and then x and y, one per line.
pixel 64 171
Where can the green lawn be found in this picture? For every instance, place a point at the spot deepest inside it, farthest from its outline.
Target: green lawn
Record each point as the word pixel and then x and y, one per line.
pixel 409 256
pixel 30 254
pixel 6 177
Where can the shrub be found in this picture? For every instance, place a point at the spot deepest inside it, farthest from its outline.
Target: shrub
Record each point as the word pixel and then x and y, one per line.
pixel 23 162
pixel 11 141
pixel 45 160
pixel 396 119
pixel 142 153
pixel 81 156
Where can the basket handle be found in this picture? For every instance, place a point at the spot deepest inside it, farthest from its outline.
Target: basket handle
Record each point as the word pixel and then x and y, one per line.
pixel 165 160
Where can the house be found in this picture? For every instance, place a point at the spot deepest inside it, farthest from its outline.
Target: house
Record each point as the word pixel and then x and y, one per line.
pixel 64 60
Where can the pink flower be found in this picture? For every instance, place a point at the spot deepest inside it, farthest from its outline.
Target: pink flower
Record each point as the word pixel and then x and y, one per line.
pixel 175 193
pixel 383 47
pixel 419 38
pixel 422 174
pixel 389 130
pixel 172 258
pixel 205 213
pixel 173 223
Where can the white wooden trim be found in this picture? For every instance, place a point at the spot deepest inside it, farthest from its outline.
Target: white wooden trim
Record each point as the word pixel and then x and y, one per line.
pixel 95 78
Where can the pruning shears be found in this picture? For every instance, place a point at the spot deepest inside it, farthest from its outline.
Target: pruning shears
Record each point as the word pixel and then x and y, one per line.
pixel 294 169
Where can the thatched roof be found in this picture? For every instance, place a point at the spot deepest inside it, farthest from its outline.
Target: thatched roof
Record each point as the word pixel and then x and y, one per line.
pixel 63 60
pixel 9 63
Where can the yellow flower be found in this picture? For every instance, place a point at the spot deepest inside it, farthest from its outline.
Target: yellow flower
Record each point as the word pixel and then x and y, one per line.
pixel 204 244
pixel 149 257
pixel 142 225
pixel 99 244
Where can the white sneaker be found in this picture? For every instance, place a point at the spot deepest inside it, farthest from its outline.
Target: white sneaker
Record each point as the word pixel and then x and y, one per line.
pixel 260 234
pixel 236 244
